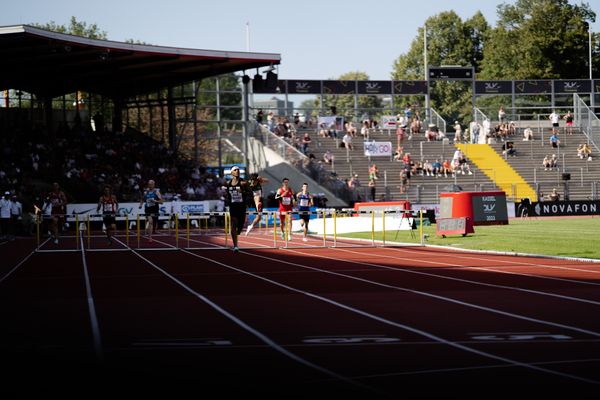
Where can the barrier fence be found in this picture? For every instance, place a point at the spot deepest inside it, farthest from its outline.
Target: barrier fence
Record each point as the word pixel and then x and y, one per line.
pixel 213 230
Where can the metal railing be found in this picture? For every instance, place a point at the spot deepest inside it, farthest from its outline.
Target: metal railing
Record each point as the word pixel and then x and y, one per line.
pixel 438 121
pixel 587 121
pixel 300 161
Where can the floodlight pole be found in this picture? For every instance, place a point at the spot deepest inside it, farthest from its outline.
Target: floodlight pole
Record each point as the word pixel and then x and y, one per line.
pixel 427 105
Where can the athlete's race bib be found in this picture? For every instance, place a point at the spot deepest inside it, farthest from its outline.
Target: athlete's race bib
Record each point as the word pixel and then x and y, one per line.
pixel 236 197
pixel 108 207
pixel 303 202
pixel 286 201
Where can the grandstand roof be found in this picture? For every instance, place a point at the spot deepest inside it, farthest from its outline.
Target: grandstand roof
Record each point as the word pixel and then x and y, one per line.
pixel 51 63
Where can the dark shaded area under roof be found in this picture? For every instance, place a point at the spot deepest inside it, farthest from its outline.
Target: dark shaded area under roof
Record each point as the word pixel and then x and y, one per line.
pixel 51 64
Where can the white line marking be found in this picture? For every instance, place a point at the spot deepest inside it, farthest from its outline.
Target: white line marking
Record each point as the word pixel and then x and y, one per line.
pixel 92 309
pixel 393 323
pixel 20 263
pixel 253 331
pixel 435 296
pixel 412 271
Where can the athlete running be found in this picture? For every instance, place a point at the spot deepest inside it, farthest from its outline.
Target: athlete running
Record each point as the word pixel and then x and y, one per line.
pixel 255 185
pixel 58 203
pixel 285 195
pixel 305 201
pixel 151 198
pixel 109 205
pixel 237 192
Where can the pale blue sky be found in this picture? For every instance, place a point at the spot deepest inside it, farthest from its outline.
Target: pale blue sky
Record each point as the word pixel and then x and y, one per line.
pixel 317 39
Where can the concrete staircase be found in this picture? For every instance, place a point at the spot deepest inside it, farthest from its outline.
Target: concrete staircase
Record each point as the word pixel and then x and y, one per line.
pixel 528 163
pixel 422 189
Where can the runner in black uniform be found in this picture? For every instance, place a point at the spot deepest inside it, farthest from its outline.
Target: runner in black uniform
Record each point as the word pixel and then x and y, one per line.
pixel 237 195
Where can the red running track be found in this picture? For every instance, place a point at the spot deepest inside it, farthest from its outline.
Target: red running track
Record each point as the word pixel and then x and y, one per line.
pixel 301 323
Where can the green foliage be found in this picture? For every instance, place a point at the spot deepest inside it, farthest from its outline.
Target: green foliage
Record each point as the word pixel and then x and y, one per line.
pixel 542 237
pixel 76 28
pixel 539 39
pixel 450 41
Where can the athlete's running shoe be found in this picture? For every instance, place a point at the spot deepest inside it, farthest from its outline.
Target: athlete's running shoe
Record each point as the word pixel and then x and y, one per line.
pixel 235 249
pixel 248 229
pixel 304 239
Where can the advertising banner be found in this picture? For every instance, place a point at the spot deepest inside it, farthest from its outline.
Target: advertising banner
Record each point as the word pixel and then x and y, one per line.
pixel 493 87
pixel 533 87
pixel 339 87
pixel 375 149
pixel 374 87
pixel 573 86
pixel 304 87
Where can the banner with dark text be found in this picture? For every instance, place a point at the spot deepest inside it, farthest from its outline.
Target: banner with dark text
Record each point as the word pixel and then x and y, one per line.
pixel 563 208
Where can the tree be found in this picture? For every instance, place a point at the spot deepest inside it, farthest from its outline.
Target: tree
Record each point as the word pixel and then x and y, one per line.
pixel 76 28
pixel 539 39
pixel 450 41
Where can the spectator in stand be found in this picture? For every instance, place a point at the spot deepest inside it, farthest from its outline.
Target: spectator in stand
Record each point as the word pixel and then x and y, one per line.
pixel 457 132
pixel 347 140
pixel 350 128
pixel 328 157
pixel 554 161
pixel 554 195
pixel 373 172
pixel 547 163
pixel 305 142
pixel 431 133
pixel 415 127
pixel 464 165
pixel 437 168
pixel 584 152
pixel 399 154
pixel 554 141
pixel 365 129
pixel 270 121
pixel 508 149
pixel 404 180
pixel 501 115
pixel 568 117
pixel 446 168
pixel 372 188
pixel 427 168
pixel 400 134
pixel 474 128
pixel 5 209
pixel 554 118
pixel 259 116
pixel 16 215
pixel 527 134
pixel 323 131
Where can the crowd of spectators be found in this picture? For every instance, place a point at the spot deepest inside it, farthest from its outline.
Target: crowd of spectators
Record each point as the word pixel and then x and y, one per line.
pixel 83 162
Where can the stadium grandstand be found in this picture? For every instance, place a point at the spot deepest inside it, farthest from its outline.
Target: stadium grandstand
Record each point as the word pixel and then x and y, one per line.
pixel 86 113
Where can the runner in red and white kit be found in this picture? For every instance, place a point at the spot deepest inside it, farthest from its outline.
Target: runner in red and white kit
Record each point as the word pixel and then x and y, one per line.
pixel 286 198
pixel 58 202
pixel 109 205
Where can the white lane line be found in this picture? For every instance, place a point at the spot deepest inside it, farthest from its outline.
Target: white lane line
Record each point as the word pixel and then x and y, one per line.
pixel 390 322
pixel 427 294
pixel 20 263
pixel 415 272
pixel 516 263
pixel 253 331
pixel 92 309
pixel 445 370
